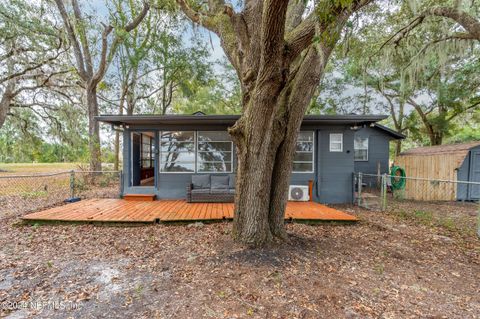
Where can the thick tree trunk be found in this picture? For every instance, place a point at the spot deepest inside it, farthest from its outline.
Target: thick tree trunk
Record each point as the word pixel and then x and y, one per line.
pixel 4 108
pixel 255 160
pixel 117 134
pixel 93 128
pixel 300 92
pixel 6 101
pixel 436 138
pixel 398 147
pixel 278 73
pixel 265 154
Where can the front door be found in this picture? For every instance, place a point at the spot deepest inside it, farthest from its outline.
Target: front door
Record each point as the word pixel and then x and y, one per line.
pixel 475 175
pixel 142 159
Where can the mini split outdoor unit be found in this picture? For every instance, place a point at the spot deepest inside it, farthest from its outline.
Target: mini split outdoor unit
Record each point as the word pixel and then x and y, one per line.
pixel 298 193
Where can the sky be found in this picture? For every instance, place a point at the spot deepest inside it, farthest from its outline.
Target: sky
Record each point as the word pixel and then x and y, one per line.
pixel 100 9
pixel 217 54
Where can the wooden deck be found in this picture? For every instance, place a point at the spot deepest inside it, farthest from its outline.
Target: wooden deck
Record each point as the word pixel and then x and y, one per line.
pixel 119 210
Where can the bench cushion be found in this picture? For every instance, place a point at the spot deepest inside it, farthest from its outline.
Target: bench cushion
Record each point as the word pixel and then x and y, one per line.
pixel 201 191
pixel 219 182
pixel 201 181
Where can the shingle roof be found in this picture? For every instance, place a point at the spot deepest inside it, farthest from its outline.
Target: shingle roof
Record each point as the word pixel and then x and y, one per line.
pixel 442 149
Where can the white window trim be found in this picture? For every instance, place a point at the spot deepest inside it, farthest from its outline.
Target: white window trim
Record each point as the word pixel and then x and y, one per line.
pixel 195 162
pixel 160 153
pixel 313 156
pixel 332 142
pixel 354 149
pixel 196 155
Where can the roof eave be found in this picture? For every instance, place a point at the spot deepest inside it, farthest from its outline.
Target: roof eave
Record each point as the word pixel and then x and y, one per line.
pixel 228 119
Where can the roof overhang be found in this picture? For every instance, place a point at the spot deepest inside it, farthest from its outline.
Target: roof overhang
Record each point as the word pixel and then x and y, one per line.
pixel 394 134
pixel 156 120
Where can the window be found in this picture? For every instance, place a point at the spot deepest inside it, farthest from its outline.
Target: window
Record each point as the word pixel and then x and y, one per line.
pixel 303 158
pixel 177 151
pixel 336 142
pixel 147 151
pixel 360 147
pixel 214 152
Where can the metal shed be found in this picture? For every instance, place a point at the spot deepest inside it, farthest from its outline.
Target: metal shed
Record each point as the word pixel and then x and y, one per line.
pixel 455 162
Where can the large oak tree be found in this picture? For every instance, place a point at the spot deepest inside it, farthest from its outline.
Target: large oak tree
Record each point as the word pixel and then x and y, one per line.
pixel 279 56
pixel 30 59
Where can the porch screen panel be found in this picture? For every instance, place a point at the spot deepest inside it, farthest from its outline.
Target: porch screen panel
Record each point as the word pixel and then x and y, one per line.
pixel 214 152
pixel 177 151
pixel 303 158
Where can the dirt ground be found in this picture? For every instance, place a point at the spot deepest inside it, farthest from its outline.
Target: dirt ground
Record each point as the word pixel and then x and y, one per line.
pixel 386 266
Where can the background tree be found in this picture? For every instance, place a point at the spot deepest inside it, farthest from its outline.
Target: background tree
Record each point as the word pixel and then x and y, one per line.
pixel 83 46
pixel 219 94
pixel 422 82
pixel 438 45
pixel 154 66
pixel 31 71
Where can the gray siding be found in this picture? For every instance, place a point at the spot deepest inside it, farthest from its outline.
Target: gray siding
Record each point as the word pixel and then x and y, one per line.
pixel 335 169
pixel 465 173
pixel 332 170
pixel 378 152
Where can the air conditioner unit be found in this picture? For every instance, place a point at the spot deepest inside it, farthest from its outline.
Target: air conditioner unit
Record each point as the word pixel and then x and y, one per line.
pixel 298 193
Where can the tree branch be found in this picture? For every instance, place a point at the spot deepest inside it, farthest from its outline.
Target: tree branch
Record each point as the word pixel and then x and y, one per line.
pixel 73 39
pixel 34 67
pixel 80 26
pixel 105 58
pixel 469 23
pixel 302 36
pixel 197 17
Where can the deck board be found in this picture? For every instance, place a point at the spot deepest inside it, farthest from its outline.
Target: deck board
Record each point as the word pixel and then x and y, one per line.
pixel 119 210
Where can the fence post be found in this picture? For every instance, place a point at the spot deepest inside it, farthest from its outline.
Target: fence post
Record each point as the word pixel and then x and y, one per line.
pixel 359 194
pixel 384 192
pixel 72 184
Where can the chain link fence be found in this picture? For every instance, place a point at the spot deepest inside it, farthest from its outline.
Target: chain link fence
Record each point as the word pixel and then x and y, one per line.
pixel 452 204
pixel 20 194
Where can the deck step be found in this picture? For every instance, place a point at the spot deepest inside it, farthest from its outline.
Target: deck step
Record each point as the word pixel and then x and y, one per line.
pixel 140 197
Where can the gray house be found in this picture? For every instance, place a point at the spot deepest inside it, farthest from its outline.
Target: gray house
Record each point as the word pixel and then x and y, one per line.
pixel 162 152
pixel 372 151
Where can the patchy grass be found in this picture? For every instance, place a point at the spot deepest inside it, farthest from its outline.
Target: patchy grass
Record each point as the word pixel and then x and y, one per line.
pixel 44 168
pixel 452 217
pixel 424 217
pixel 34 168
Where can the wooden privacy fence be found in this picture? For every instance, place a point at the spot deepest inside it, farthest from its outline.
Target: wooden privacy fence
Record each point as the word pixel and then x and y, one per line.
pixel 433 167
